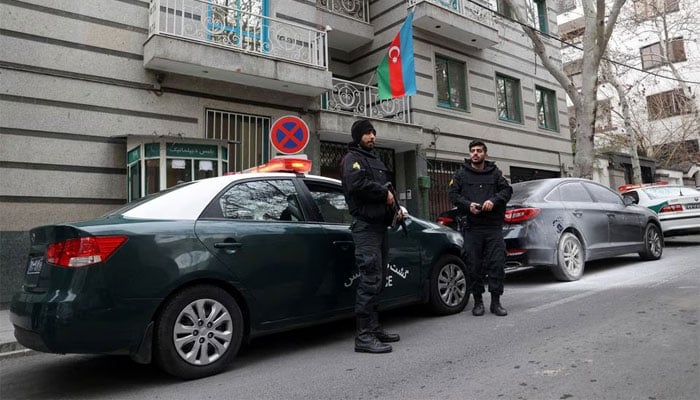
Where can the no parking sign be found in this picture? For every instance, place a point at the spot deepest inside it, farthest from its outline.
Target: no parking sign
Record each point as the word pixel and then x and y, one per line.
pixel 289 134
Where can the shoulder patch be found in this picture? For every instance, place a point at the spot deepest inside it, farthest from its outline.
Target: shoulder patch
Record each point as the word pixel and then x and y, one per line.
pixel 356 165
pixel 451 182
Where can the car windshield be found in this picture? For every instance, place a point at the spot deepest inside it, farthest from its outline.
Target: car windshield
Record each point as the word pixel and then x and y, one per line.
pixel 660 192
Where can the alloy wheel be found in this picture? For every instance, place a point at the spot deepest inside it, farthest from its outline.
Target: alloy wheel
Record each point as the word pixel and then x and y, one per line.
pixel 202 332
pixel 452 285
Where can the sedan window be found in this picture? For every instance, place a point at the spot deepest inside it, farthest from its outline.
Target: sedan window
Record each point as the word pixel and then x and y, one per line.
pixel 330 202
pixel 574 192
pixel 603 194
pixel 262 200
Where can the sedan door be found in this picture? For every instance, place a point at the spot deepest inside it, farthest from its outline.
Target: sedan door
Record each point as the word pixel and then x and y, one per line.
pixel 589 218
pixel 625 223
pixel 258 229
pixel 403 269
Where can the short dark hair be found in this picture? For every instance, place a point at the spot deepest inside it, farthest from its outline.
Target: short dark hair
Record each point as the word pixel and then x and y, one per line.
pixel 475 143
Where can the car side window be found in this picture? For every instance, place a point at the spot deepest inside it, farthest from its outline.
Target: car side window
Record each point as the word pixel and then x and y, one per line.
pixel 574 192
pixel 633 195
pixel 330 202
pixel 602 194
pixel 263 200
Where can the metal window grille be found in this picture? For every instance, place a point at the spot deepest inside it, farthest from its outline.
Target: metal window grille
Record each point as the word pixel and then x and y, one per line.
pixel 332 153
pixel 440 172
pixel 246 134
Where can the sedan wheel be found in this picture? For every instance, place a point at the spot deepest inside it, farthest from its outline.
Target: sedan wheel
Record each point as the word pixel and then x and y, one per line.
pixel 198 332
pixel 449 292
pixel 653 243
pixel 570 258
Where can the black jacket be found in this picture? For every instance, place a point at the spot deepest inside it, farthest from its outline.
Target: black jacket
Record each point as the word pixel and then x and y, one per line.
pixel 470 185
pixel 364 177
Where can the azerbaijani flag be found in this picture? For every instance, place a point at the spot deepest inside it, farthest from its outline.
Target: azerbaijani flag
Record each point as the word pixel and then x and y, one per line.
pixel 396 74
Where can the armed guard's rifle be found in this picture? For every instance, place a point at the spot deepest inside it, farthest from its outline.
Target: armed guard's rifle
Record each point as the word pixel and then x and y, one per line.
pixel 397 210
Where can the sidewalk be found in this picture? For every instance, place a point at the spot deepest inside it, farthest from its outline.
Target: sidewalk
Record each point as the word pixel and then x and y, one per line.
pixel 9 348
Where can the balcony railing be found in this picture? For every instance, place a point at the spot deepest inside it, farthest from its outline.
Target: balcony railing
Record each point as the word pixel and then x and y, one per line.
pixel 355 9
pixel 465 8
pixel 362 100
pixel 209 22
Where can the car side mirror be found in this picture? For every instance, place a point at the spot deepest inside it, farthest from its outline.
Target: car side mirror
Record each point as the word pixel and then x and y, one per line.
pixel 628 200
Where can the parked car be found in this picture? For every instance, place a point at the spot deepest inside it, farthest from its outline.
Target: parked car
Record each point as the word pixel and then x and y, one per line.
pixel 185 276
pixel 562 223
pixel 678 206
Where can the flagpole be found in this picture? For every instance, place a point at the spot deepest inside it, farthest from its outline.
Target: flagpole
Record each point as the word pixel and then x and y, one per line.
pixel 374 73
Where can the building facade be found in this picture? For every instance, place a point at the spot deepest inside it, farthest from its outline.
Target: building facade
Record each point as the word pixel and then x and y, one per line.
pixel 106 102
pixel 656 57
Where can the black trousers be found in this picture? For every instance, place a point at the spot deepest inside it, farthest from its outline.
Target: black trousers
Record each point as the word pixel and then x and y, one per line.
pixel 371 256
pixel 485 256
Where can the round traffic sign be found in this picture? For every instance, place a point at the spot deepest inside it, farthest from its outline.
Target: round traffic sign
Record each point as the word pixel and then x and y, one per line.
pixel 289 134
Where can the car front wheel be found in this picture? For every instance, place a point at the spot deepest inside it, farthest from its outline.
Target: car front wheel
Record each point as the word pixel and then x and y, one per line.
pixel 570 258
pixel 449 291
pixel 198 332
pixel 653 243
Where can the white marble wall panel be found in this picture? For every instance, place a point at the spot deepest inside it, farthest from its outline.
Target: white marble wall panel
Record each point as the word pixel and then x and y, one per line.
pixel 47 150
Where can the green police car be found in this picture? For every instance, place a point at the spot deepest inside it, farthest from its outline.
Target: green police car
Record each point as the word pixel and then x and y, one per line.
pixel 183 277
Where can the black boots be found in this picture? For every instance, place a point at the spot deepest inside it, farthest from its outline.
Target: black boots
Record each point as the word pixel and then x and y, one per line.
pixel 478 309
pixel 496 307
pixel 386 337
pixel 369 343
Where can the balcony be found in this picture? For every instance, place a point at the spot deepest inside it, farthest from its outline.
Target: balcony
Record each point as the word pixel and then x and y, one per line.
pixel 203 39
pixel 349 20
pixel 348 101
pixel 459 20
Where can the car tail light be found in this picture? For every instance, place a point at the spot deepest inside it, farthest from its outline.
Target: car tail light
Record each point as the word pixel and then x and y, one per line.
pixel 445 220
pixel 517 215
pixel 516 252
pixel 84 251
pixel 671 208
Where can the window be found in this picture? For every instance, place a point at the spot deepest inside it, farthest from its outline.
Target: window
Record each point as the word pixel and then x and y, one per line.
pixel 247 136
pixel 263 200
pixel 652 55
pixel 565 5
pixel 603 116
pixel 331 203
pixel 541 8
pixel 504 8
pixel 134 174
pixel 152 170
pixel 546 108
pixel 646 9
pixel 603 194
pixel 451 83
pixel 574 192
pixel 508 96
pixel 668 104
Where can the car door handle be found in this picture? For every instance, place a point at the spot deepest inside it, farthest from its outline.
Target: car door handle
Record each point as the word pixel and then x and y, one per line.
pixel 611 216
pixel 229 247
pixel 577 213
pixel 344 245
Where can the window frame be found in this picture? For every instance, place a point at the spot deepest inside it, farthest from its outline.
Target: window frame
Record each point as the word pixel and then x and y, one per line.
pixel 671 98
pixel 517 102
pixel 541 14
pixel 551 95
pixel 462 68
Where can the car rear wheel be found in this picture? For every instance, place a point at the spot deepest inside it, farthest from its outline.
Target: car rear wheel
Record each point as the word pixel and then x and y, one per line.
pixel 570 258
pixel 653 243
pixel 198 332
pixel 449 291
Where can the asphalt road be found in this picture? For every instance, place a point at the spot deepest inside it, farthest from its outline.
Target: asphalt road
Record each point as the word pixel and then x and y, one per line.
pixel 626 330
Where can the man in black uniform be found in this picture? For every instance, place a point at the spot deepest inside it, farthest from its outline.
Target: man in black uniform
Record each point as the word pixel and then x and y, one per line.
pixel 480 192
pixel 370 203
